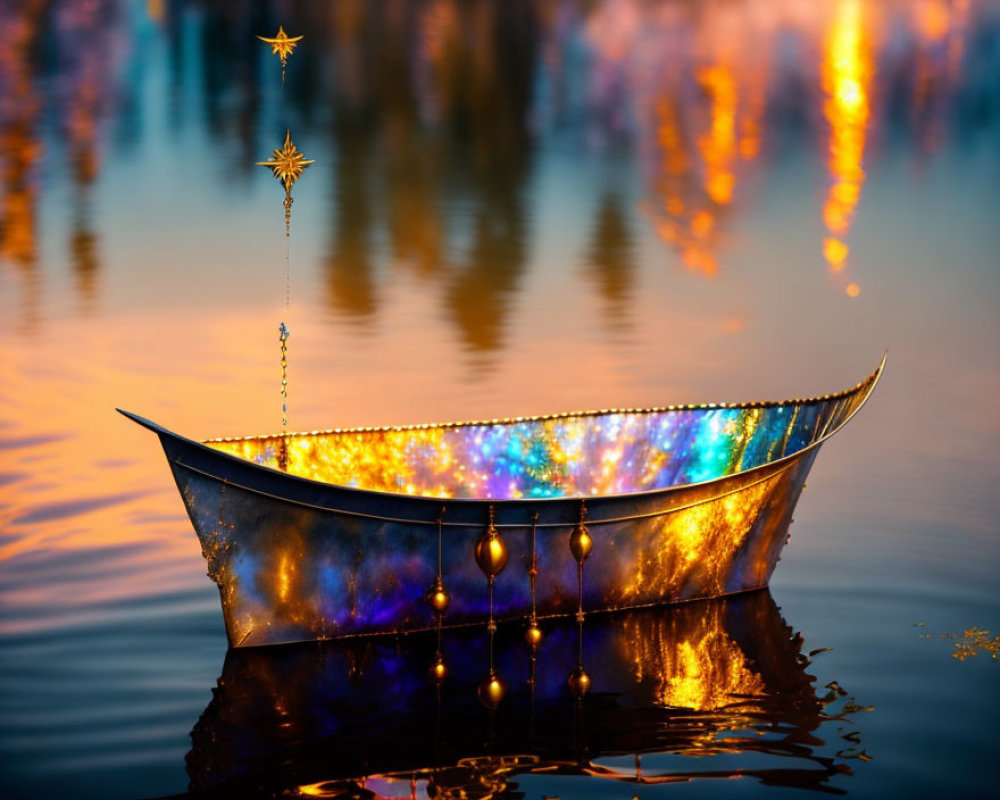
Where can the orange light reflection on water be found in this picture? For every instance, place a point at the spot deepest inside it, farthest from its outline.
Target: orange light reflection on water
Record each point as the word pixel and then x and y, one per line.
pixel 698 172
pixel 847 76
pixel 718 144
pixel 19 148
pixel 698 666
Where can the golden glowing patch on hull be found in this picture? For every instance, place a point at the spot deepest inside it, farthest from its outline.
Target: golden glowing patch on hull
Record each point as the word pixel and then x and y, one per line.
pixel 697 546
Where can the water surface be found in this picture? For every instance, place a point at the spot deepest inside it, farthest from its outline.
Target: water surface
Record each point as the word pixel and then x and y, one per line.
pixel 515 208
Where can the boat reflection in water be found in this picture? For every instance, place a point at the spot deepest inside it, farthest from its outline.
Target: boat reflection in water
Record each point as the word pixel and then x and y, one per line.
pixel 366 718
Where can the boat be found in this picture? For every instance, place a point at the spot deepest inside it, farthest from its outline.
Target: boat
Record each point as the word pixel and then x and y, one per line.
pixel 345 532
pixel 357 717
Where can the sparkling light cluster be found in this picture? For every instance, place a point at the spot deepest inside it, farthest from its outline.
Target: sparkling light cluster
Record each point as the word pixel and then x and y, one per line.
pixel 576 455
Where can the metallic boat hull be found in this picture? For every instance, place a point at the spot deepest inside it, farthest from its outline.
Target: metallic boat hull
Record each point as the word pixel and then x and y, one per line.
pixel 297 559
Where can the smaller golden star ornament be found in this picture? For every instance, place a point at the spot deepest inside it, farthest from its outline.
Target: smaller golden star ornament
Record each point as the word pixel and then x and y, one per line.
pixel 282 46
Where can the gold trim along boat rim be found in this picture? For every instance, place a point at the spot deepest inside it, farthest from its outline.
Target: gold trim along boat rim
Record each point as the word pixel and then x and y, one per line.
pixel 871 382
pixel 873 378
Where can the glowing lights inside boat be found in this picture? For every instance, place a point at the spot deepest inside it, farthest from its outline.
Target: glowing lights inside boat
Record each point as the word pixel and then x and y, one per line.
pixel 610 453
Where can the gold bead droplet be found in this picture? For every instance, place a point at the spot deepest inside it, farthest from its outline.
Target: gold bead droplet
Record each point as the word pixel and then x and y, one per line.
pixel 533 636
pixel 580 543
pixel 578 682
pixel 491 690
pixel 491 552
pixel 438 597
pixel 438 671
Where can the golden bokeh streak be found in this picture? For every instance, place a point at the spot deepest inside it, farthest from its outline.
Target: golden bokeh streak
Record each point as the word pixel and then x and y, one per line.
pixel 697 544
pixel 846 78
pixel 718 145
pixel 698 168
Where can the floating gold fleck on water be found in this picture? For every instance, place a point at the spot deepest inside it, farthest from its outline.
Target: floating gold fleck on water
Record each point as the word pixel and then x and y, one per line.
pixel 972 642
pixel 975 641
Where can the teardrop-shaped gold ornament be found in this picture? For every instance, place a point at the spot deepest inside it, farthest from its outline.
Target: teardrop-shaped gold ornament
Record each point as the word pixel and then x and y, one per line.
pixel 578 681
pixel 580 543
pixel 438 596
pixel 438 670
pixel 533 635
pixel 491 551
pixel 491 690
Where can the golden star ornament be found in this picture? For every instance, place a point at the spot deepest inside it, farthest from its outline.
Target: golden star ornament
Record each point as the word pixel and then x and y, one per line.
pixel 287 163
pixel 282 44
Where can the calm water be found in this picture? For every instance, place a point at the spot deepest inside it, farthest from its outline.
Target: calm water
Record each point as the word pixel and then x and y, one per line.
pixel 515 208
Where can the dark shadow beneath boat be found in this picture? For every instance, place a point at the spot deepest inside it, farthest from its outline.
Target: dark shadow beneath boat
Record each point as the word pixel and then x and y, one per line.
pixel 353 718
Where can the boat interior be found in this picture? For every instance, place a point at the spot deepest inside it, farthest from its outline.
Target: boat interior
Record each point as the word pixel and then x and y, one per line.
pixel 565 455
